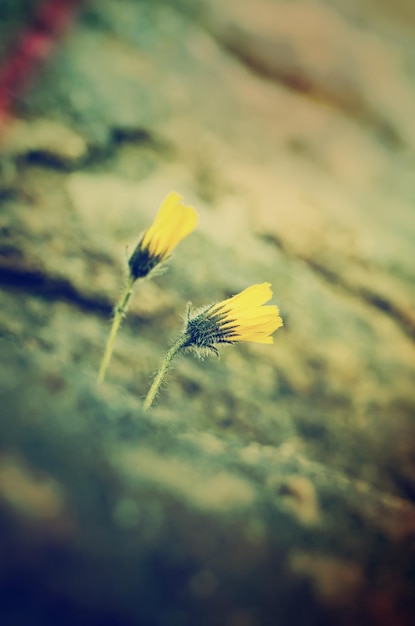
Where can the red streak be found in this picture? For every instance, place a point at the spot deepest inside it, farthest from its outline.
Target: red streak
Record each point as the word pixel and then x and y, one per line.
pixel 33 45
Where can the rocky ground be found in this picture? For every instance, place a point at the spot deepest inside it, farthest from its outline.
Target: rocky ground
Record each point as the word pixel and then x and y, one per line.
pixel 275 485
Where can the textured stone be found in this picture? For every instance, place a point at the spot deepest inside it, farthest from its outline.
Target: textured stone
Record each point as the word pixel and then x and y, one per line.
pixel 278 480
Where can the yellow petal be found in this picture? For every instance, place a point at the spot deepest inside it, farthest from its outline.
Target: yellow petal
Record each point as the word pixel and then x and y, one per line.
pixel 257 313
pixel 250 299
pixel 182 227
pixel 173 222
pixel 171 200
pixel 257 338
pixel 255 295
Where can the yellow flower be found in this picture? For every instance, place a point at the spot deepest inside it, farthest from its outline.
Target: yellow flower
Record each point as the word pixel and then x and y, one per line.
pixel 240 318
pixel 173 222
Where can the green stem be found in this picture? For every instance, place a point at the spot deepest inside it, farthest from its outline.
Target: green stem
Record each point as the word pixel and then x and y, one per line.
pixel 152 392
pixel 119 312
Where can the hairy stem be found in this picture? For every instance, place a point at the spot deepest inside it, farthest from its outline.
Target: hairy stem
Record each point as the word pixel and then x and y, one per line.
pixel 176 347
pixel 119 312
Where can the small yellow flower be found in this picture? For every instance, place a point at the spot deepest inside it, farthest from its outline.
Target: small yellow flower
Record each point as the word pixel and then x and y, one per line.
pixel 173 222
pixel 240 318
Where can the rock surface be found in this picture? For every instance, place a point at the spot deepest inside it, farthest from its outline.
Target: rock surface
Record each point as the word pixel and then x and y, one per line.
pixel 277 484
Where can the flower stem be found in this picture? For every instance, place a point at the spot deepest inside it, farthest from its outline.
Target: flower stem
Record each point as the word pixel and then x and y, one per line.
pixel 152 392
pixel 119 312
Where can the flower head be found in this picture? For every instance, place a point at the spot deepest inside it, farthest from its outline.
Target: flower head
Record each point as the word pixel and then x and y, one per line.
pixel 173 222
pixel 240 318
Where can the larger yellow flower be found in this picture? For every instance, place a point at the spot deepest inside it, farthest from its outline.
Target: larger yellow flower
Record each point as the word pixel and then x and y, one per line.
pixel 240 318
pixel 173 222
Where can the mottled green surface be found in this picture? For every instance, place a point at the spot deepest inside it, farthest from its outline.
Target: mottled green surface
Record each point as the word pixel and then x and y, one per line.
pixel 276 484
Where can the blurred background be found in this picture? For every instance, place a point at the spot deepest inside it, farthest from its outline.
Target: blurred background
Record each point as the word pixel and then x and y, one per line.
pixel 276 484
